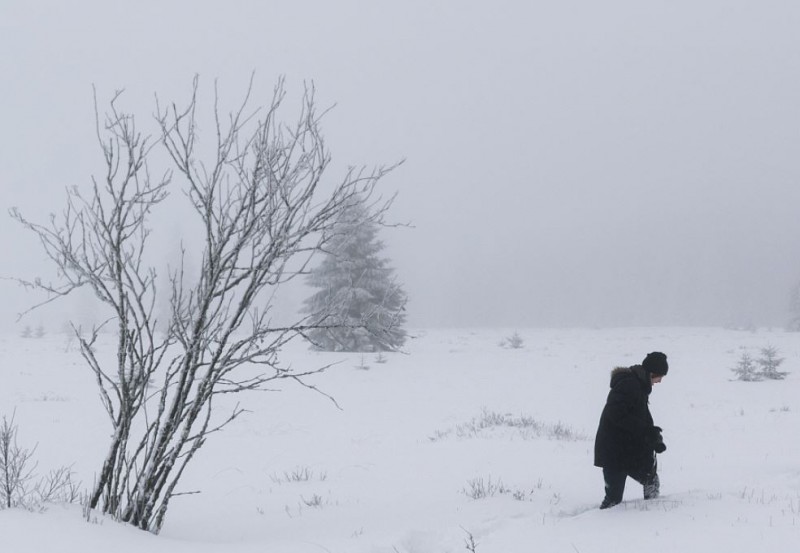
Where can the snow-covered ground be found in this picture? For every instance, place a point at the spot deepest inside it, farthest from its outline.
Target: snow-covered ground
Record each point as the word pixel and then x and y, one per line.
pixel 394 469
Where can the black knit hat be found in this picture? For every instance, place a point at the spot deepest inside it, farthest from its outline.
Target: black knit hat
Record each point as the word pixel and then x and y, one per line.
pixel 655 363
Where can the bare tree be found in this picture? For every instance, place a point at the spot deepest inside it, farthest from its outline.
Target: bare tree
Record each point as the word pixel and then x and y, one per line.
pixel 264 212
pixel 18 486
pixel 16 466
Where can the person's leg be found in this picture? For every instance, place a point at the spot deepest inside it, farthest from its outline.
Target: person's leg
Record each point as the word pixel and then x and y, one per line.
pixel 647 476
pixel 652 487
pixel 615 486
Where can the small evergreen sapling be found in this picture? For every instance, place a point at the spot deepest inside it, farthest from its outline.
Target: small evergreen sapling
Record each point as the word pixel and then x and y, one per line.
pixel 765 367
pixel 515 341
pixel 745 369
pixel 769 363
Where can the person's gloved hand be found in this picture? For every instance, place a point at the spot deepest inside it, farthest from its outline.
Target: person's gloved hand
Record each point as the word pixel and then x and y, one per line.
pixel 655 439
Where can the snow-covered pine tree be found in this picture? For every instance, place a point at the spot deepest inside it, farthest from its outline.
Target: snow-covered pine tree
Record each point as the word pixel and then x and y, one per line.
pixel 369 312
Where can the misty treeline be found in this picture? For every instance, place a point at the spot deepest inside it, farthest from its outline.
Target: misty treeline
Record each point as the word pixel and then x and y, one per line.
pixel 794 309
pixel 265 207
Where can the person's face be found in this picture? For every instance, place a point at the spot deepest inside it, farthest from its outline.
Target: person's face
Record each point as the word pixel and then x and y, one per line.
pixel 655 378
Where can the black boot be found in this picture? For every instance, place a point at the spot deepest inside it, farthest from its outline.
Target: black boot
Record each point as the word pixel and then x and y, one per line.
pixel 607 503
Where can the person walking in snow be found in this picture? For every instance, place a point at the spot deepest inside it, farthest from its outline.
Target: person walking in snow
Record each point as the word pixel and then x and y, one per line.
pixel 627 441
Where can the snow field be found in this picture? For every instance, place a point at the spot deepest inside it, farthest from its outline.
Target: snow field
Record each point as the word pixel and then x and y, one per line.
pixel 457 437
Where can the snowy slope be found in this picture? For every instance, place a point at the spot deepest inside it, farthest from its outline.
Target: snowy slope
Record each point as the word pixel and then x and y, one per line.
pixel 393 468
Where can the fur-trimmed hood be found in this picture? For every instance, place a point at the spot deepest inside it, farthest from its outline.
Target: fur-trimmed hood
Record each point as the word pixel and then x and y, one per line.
pixel 619 374
pixel 618 371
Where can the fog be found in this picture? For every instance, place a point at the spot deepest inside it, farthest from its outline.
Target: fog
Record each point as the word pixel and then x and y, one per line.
pixel 567 163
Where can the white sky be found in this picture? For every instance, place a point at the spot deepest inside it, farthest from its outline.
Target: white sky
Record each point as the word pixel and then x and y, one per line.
pixel 568 163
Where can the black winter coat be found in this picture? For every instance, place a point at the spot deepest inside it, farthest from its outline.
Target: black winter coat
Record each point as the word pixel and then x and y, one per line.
pixel 622 436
